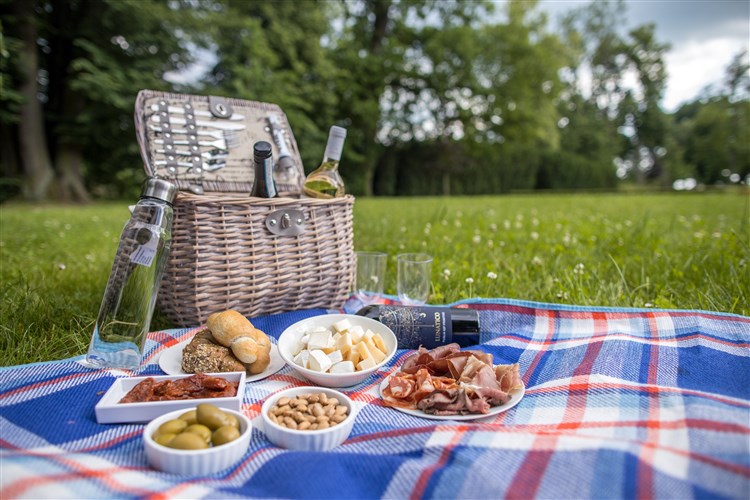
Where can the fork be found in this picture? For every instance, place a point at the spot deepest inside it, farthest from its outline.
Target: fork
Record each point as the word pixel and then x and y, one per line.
pixel 228 135
pixel 201 123
pixel 198 168
pixel 218 144
pixel 207 154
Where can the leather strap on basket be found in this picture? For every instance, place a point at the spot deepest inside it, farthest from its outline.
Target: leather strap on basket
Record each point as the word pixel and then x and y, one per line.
pixel 166 126
pixel 195 152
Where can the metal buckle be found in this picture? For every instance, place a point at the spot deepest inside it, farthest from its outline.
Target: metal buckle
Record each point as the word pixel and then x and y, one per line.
pixel 286 222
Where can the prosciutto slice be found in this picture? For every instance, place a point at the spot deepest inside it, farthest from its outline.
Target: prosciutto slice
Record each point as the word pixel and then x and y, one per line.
pixel 448 381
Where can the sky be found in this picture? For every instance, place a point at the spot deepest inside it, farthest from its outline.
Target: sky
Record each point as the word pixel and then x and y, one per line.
pixel 705 35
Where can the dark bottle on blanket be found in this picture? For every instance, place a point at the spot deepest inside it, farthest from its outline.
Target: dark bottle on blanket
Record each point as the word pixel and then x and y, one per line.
pixel 427 326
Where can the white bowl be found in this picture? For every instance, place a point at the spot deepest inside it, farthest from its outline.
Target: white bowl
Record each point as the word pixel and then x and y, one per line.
pixel 196 462
pixel 290 337
pixel 308 440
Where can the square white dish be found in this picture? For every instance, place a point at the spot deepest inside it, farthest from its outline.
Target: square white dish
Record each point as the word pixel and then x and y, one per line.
pixel 109 410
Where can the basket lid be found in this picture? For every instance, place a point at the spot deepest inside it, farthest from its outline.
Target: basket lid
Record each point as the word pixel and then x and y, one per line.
pixel 205 143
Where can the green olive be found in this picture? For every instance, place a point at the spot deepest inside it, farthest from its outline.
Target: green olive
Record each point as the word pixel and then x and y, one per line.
pixel 163 439
pixel 210 416
pixel 189 417
pixel 172 427
pixel 232 420
pixel 188 441
pixel 201 430
pixel 224 434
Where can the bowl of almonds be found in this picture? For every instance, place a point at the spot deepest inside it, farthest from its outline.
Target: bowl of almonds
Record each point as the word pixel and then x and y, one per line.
pixel 308 418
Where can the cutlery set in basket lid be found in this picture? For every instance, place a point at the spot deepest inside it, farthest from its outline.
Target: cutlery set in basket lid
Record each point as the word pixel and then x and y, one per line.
pixel 230 250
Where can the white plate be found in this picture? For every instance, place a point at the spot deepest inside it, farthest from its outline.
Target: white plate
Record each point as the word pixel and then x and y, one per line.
pixel 515 397
pixel 171 362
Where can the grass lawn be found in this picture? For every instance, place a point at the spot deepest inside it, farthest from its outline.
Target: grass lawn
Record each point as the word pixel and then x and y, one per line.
pixel 675 251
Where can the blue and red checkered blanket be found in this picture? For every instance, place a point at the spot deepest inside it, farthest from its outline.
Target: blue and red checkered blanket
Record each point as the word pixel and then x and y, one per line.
pixel 619 403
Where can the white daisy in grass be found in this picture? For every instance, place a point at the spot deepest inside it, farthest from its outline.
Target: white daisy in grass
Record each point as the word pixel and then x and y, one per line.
pixel 476 239
pixel 537 261
pixel 491 275
pixel 534 235
pixel 493 227
pixel 446 273
pixel 535 222
pixel 402 229
pixel 579 268
pixel 490 243
pixel 457 223
pixel 506 224
pixel 444 222
pixel 469 280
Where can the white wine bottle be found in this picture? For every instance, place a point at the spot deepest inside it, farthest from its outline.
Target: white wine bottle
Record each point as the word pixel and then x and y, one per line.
pixel 325 181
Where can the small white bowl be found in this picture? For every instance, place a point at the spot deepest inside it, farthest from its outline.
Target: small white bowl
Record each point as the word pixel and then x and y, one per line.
pixel 290 337
pixel 308 440
pixel 196 462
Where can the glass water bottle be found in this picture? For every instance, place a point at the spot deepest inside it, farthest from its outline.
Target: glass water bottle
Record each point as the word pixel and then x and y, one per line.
pixel 128 304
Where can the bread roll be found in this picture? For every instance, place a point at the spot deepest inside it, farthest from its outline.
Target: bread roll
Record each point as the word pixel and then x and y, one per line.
pixel 250 345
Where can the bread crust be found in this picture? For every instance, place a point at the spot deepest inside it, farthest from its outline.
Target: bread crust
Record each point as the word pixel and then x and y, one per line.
pixel 250 345
pixel 204 355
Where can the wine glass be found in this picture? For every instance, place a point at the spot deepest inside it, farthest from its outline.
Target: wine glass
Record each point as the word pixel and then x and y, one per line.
pixel 368 286
pixel 414 278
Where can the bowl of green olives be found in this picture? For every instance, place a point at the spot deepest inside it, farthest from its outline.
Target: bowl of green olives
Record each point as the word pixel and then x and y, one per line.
pixel 196 442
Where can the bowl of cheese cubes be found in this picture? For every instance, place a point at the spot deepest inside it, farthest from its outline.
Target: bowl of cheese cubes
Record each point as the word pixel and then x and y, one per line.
pixel 337 350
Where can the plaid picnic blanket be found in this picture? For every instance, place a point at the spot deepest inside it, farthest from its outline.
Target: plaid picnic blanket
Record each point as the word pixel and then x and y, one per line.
pixel 619 403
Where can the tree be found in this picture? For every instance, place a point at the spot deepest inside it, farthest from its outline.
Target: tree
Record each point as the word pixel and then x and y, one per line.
pixel 81 65
pixel 643 117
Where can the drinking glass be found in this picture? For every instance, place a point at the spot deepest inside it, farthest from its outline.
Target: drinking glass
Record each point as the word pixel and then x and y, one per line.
pixel 414 278
pixel 368 286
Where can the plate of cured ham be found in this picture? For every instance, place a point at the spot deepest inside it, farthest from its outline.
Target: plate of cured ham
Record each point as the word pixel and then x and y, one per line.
pixel 447 383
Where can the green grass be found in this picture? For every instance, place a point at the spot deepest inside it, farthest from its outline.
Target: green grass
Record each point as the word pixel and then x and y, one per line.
pixel 676 251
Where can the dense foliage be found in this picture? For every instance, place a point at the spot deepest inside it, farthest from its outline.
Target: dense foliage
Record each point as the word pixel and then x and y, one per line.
pixel 439 97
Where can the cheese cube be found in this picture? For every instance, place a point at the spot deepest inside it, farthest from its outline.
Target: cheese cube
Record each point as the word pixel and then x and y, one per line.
pixel 378 341
pixel 316 329
pixel 369 334
pixel 319 361
pixel 342 326
pixel 377 354
pixel 335 357
pixel 353 356
pixel 298 347
pixel 364 352
pixel 319 340
pixel 336 337
pixel 366 364
pixel 356 333
pixel 301 358
pixel 342 367
pixel 345 340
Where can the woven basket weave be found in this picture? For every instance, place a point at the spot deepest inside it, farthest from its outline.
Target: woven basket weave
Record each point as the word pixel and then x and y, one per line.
pixel 224 257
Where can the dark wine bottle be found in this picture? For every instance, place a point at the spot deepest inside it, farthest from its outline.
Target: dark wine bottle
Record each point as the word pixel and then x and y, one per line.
pixel 428 326
pixel 263 185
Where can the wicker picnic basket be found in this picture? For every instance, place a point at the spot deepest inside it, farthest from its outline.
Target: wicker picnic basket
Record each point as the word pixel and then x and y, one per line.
pixel 229 250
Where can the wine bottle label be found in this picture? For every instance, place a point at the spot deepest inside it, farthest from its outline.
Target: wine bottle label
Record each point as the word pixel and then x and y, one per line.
pixel 426 326
pixel 147 238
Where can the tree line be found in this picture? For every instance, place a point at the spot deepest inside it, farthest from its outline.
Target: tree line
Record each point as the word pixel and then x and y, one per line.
pixel 438 96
